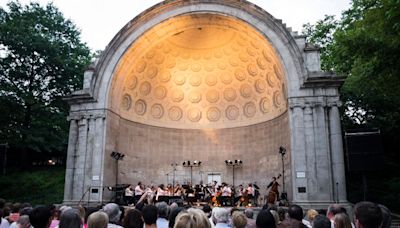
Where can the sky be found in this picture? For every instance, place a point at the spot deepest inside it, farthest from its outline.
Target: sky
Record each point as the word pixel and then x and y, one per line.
pixel 100 20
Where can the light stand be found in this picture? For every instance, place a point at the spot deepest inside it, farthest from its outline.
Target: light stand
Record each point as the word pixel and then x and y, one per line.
pixel 173 177
pixel 282 151
pixel 117 157
pixel 234 164
pixel 191 165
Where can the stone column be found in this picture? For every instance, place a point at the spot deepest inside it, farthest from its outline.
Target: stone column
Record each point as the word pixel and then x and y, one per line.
pixel 338 169
pixel 312 187
pixel 71 156
pixel 79 174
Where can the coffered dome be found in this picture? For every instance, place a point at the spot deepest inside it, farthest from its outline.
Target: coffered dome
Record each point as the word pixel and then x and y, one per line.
pixel 199 71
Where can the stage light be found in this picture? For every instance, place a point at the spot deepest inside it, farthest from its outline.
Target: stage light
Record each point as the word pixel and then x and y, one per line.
pixel 226 161
pixel 188 162
pixel 184 163
pixel 195 162
pixel 230 162
pixel 199 163
pixel 240 162
pixel 282 150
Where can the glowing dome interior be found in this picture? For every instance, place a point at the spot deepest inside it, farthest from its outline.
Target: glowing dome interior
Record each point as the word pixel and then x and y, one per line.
pixel 199 71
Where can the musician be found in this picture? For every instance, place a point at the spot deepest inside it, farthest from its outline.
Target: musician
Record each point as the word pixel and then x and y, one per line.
pixel 178 190
pixel 241 192
pixel 129 195
pixel 139 190
pixel 170 190
pixel 250 192
pixel 273 192
pixel 226 193
pixel 161 192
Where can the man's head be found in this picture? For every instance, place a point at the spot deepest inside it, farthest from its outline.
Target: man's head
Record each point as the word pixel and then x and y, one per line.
pixel 321 221
pixel 367 215
pixel 150 214
pixel 334 209
pixel 113 212
pixel 295 212
pixel 220 215
pixel 162 209
pixel 249 213
pixel 40 217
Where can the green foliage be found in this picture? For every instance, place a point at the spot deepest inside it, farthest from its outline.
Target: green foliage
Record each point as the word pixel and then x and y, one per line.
pixel 43 186
pixel 41 60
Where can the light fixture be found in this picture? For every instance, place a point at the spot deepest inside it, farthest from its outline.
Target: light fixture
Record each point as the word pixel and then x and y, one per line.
pixel 282 150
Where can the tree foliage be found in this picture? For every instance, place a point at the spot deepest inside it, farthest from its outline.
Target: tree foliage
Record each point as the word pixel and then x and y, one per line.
pixel 41 60
pixel 365 46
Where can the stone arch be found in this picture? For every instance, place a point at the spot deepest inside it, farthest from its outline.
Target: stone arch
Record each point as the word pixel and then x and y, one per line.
pixel 314 136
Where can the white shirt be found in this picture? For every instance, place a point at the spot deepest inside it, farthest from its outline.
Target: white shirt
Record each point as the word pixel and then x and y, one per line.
pixel 128 192
pixel 226 191
pixel 138 191
pixel 250 190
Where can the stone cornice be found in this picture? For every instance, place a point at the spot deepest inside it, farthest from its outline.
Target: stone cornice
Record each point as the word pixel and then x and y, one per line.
pixel 312 102
pixel 87 114
pixel 79 97
pixel 323 79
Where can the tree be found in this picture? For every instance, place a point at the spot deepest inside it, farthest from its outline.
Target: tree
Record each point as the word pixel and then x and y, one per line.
pixel 41 60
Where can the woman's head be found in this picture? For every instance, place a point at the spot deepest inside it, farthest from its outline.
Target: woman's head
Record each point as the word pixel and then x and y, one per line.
pixel 97 219
pixel 70 219
pixel 133 219
pixel 192 218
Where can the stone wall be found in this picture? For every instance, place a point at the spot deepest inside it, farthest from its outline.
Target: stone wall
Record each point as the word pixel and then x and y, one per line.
pixel 150 151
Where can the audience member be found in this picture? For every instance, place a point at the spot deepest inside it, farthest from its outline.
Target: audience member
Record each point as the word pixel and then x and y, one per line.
pixel 40 217
pixel 276 217
pixel 4 222
pixel 193 218
pixel 220 217
pixel 386 216
pixel 114 214
pixel 333 209
pixel 70 219
pixel 321 221
pixel 149 213
pixel 251 222
pixel 133 219
pixel 23 222
pixel 310 215
pixel 295 213
pixel 239 219
pixel 172 216
pixel 265 219
pixel 367 215
pixel 162 213
pixel 342 220
pixel 97 219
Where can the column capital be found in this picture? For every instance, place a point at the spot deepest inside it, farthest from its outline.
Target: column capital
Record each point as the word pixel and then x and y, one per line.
pixel 90 114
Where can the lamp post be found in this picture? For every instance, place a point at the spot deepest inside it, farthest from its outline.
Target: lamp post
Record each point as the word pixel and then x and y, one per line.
pixel 234 164
pixel 190 164
pixel 282 151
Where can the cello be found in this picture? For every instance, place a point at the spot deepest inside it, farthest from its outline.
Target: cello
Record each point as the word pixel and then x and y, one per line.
pixel 273 194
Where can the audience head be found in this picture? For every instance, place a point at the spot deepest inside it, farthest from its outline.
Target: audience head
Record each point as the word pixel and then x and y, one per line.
pixel 239 220
pixel 295 212
pixel 162 210
pixel 367 215
pixel 70 219
pixel 321 221
pixel 265 220
pixel 249 213
pixel 2 203
pixel 207 209
pixel 23 222
pixel 220 215
pixel 281 213
pixel 172 216
pixel 40 217
pixel 192 218
pixel 333 209
pixel 97 219
pixel 133 219
pixel 276 216
pixel 173 205
pixel 311 213
pixel 113 212
pixel 342 220
pixel 386 216
pixel 149 213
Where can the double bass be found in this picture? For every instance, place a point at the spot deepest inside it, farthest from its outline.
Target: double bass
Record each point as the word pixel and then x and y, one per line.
pixel 273 193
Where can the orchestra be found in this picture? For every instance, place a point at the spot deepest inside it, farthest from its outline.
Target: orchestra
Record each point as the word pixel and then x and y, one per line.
pixel 214 193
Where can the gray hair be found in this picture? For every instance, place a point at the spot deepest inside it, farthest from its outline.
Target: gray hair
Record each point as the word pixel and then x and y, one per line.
pixel 113 212
pixel 162 209
pixel 24 221
pixel 249 213
pixel 220 215
pixel 70 219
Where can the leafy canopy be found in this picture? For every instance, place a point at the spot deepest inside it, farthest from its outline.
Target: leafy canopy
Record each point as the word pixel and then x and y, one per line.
pixel 41 60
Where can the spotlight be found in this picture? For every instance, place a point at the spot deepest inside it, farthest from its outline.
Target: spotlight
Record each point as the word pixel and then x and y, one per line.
pixel 240 161
pixel 184 163
pixel 282 150
pixel 199 163
pixel 188 162
pixel 230 162
pixel 195 162
pixel 236 161
pixel 226 161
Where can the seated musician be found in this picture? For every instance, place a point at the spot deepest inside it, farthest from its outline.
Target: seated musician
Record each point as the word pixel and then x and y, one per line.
pixel 161 193
pixel 178 190
pixel 238 194
pixel 250 192
pixel 129 195
pixel 170 190
pixel 226 193
pixel 139 190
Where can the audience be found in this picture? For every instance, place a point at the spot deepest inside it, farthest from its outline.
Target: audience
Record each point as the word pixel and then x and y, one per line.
pixel 295 218
pixel 114 214
pixel 70 219
pixel 251 222
pixel 149 213
pixel 367 215
pixel 162 214
pixel 321 221
pixel 23 222
pixel 220 217
pixel 133 219
pixel 239 220
pixel 172 216
pixel 97 219
pixel 265 219
pixel 194 218
pixel 310 215
pixel 342 220
pixel 40 217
